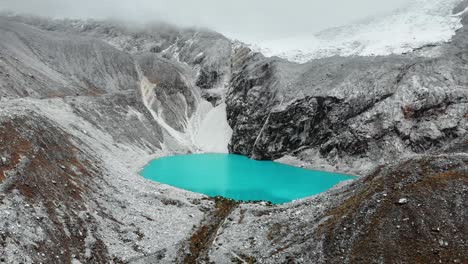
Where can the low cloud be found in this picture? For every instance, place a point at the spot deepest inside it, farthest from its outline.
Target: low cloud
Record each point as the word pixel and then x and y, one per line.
pixel 261 19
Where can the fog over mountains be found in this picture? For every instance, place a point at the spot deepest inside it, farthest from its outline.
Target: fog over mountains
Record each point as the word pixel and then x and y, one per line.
pixel 261 19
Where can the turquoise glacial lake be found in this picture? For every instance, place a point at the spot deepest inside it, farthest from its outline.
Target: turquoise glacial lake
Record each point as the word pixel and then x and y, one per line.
pixel 240 178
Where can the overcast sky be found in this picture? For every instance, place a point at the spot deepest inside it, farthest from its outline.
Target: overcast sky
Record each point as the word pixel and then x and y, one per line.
pixel 262 19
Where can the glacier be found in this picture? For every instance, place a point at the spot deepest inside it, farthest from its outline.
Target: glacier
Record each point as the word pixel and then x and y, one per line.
pixel 420 23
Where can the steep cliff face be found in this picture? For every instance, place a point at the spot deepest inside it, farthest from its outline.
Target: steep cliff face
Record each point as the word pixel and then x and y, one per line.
pixel 352 112
pixel 167 91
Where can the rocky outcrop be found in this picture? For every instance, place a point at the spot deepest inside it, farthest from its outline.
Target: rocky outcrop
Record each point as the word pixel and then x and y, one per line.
pixel 351 113
pixel 168 90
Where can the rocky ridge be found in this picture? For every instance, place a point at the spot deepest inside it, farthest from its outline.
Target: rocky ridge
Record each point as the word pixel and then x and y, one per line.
pixel 348 113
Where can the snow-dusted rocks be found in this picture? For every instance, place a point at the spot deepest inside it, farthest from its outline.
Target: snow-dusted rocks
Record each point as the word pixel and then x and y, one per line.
pixel 73 139
pixel 84 105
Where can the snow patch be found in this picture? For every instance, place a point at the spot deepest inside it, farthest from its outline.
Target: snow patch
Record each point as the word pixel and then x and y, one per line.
pixel 420 23
pixel 207 130
pixel 214 133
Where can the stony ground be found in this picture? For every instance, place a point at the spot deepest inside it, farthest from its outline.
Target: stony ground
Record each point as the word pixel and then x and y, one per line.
pixel 412 211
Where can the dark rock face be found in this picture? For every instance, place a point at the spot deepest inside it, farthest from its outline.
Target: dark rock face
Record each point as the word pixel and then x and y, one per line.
pixel 207 79
pixel 347 108
pixel 246 102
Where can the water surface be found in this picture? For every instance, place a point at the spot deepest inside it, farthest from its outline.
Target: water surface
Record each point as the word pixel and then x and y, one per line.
pixel 240 178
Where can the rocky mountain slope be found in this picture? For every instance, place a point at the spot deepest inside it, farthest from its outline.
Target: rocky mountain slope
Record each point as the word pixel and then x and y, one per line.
pixel 386 217
pixel 349 113
pixel 85 104
pixel 79 118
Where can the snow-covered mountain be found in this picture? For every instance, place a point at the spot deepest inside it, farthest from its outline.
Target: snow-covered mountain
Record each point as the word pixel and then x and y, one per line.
pixel 420 23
